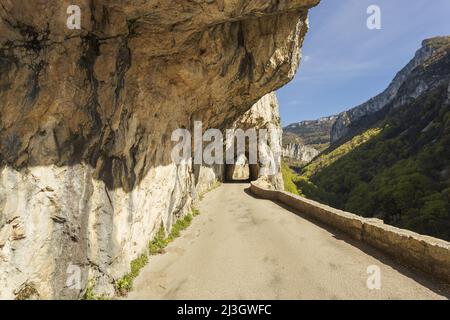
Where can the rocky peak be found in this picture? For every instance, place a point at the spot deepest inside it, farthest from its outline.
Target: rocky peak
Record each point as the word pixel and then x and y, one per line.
pixel 412 81
pixel 306 139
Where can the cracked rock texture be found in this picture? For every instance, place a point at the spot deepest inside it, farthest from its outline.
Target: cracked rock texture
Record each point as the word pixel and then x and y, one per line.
pixel 86 118
pixel 300 152
pixel 264 114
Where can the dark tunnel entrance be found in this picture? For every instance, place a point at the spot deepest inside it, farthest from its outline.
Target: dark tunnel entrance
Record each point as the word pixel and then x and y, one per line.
pixel 241 172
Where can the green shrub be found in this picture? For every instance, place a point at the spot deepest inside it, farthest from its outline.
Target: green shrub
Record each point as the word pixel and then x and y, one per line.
pixel 89 294
pixel 125 284
pixel 159 242
pixel 289 178
pixel 399 173
pixel 179 226
pixel 137 264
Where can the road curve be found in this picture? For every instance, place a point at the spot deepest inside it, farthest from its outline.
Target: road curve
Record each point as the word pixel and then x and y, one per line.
pixel 241 247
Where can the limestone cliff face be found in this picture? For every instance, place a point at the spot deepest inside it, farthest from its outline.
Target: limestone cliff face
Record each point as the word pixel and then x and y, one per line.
pixel 411 82
pixel 264 115
pixel 303 141
pixel 86 118
pixel 311 132
pixel 300 152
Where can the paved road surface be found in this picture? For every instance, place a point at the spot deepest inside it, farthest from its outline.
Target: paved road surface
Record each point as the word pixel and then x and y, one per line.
pixel 241 247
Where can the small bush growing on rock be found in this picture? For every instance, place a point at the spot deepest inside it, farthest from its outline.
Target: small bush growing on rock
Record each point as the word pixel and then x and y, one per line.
pixel 125 284
pixel 89 294
pixel 27 292
pixel 159 242
pixel 138 264
pixel 179 226
pixel 195 212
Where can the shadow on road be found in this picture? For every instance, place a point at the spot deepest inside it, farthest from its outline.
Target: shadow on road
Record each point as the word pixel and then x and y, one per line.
pixel 416 275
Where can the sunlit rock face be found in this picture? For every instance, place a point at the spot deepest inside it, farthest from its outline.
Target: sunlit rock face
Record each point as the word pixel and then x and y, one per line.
pixel 299 152
pixel 264 116
pixel 86 118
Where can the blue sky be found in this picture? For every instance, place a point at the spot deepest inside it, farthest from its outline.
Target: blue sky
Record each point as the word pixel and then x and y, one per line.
pixel 344 63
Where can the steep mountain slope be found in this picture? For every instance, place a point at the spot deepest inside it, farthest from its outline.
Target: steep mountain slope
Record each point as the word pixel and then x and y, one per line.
pixel 412 81
pixel 394 163
pixel 314 133
pixel 294 148
pixel 304 140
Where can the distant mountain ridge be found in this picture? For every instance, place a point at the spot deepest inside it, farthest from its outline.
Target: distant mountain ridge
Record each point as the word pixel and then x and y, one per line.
pixel 412 81
pixel 294 148
pixel 312 132
pixel 306 139
pixel 392 161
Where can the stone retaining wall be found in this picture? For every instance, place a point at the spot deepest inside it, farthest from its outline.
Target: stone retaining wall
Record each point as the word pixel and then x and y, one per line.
pixel 427 254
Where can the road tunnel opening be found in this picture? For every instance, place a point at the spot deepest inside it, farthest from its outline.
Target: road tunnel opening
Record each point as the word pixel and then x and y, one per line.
pixel 241 171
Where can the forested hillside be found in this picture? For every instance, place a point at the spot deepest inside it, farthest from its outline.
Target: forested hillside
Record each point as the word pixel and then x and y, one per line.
pixel 396 163
pixel 400 172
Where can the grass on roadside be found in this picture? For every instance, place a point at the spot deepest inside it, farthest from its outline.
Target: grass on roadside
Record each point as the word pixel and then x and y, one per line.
pixel 195 212
pixel 159 242
pixel 179 226
pixel 89 294
pixel 125 284
pixel 156 246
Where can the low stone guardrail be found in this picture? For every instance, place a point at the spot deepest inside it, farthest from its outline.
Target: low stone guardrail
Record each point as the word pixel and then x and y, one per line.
pixel 428 254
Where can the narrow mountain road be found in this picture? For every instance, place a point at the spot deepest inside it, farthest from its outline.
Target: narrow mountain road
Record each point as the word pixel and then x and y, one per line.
pixel 241 247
